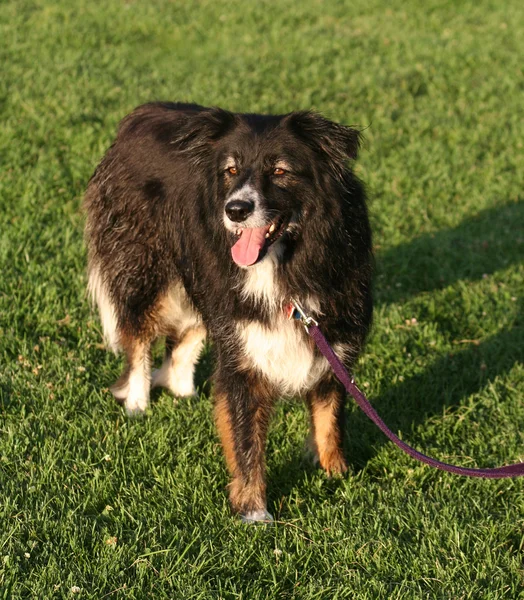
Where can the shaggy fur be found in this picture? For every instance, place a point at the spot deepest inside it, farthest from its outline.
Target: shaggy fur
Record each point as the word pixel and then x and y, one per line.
pixel 201 221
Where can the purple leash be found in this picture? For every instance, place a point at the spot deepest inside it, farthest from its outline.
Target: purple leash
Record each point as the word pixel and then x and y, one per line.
pixel 516 470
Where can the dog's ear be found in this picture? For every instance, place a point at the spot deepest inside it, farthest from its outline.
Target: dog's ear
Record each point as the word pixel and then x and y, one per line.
pixel 202 130
pixel 336 142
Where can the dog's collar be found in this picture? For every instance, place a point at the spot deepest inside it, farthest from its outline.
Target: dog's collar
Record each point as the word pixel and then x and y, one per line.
pixel 295 311
pixel 291 312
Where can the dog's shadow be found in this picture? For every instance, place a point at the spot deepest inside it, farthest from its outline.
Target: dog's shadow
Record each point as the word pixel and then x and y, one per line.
pixel 479 246
pixel 443 385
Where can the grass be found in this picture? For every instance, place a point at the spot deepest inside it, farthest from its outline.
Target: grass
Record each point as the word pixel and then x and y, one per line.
pixel 92 501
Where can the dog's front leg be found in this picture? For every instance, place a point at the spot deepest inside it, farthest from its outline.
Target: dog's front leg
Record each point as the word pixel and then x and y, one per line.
pixel 243 404
pixel 326 409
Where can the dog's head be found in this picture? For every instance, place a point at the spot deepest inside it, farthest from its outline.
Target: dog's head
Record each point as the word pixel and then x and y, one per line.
pixel 273 173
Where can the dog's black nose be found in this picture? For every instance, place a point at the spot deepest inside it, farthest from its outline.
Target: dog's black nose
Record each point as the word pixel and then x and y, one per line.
pixel 239 210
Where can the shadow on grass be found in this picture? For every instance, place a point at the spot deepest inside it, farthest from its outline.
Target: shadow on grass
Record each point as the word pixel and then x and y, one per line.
pixel 492 240
pixel 444 384
pixel 483 244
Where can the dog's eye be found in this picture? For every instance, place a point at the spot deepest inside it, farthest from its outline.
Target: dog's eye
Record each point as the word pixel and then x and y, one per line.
pixel 278 171
pixel 232 170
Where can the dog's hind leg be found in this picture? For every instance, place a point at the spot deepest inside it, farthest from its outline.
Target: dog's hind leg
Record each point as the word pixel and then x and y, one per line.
pixel 132 388
pixel 326 408
pixel 178 369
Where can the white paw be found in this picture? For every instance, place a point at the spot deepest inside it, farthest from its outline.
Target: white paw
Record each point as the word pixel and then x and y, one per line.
pixel 178 383
pixel 183 389
pixel 257 516
pixel 136 405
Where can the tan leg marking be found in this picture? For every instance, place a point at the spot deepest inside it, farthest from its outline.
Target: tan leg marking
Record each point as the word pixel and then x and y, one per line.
pixel 225 431
pixel 327 437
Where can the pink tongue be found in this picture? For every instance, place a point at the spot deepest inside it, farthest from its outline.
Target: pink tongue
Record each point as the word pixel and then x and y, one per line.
pixel 246 250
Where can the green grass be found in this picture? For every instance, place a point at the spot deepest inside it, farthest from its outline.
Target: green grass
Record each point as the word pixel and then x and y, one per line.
pixel 138 509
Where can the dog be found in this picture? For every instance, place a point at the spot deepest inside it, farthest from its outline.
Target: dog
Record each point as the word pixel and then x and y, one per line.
pixel 203 222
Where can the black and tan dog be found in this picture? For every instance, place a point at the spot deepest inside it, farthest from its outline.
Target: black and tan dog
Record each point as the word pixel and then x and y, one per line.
pixel 204 222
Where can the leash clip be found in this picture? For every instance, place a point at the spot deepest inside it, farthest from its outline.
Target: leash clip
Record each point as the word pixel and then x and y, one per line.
pixel 300 314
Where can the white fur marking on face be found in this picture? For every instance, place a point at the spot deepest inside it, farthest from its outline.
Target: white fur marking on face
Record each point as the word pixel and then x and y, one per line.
pixel 246 192
pixel 177 371
pixel 282 354
pixel 258 217
pixel 282 164
pixel 100 297
pixel 230 162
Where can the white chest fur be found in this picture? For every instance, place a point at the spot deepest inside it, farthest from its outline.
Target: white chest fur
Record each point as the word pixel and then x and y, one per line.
pixel 283 354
